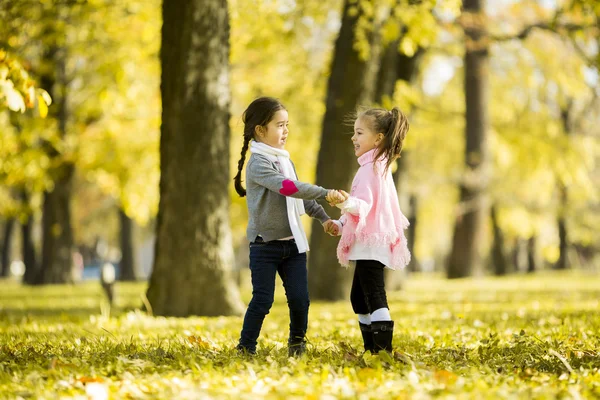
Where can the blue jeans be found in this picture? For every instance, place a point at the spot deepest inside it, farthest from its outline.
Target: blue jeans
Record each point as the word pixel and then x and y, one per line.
pixel 266 260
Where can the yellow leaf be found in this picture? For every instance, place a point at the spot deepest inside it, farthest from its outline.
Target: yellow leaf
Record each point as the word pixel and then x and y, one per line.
pixel 42 107
pixel 199 342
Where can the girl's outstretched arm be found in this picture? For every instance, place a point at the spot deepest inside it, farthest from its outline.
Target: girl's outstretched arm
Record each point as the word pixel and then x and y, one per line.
pixel 262 171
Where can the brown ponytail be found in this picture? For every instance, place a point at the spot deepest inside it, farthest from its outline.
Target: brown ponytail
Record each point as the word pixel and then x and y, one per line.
pixel 394 126
pixel 259 113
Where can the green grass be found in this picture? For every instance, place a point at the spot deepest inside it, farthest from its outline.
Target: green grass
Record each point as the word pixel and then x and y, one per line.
pixel 518 337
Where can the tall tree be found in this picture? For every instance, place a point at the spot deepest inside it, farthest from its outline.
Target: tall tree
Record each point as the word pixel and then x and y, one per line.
pixel 465 259
pixel 398 66
pixel 6 245
pixel 563 195
pixel 27 247
pixel 499 258
pixel 532 260
pixel 191 274
pixel 127 265
pixel 336 163
pixel 57 231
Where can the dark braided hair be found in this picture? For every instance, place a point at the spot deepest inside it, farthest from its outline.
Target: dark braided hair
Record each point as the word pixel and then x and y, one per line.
pixel 259 113
pixel 394 126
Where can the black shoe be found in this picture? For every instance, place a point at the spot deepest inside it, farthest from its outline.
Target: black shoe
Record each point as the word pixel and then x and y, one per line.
pixel 367 335
pixel 383 332
pixel 296 348
pixel 244 350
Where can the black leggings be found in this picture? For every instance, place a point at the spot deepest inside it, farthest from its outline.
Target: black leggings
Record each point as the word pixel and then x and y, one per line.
pixel 368 287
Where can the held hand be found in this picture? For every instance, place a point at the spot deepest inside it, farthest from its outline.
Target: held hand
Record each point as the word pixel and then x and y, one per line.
pixel 335 197
pixel 330 227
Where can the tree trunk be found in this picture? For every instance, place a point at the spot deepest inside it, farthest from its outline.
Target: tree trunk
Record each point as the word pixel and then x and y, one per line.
pixel 351 83
pixel 563 245
pixel 563 237
pixel 464 258
pixel 516 257
pixel 194 256
pixel 6 247
pixel 32 270
pixel 411 234
pixel 127 265
pixel 396 66
pixel 57 233
pixel 498 254
pixel 31 276
pixel 531 255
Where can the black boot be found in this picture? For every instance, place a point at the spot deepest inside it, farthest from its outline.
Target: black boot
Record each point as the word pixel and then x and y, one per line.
pixel 242 350
pixel 383 331
pixel 367 335
pixel 296 347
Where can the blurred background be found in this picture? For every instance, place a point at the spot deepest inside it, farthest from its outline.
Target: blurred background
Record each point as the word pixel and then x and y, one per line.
pixel 499 173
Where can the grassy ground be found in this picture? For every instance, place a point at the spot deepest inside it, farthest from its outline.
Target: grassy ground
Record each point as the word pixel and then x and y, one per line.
pixel 519 337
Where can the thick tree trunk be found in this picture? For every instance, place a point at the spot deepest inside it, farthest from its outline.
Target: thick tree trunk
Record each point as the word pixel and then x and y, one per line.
pixel 464 258
pixel 6 247
pixel 194 255
pixel 351 83
pixel 57 233
pixel 498 253
pixel 127 265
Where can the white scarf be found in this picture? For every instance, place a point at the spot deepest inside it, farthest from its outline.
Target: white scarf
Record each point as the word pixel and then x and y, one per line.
pixel 295 207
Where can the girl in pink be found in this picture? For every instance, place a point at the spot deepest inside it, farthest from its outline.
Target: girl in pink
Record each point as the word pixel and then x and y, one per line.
pixel 372 225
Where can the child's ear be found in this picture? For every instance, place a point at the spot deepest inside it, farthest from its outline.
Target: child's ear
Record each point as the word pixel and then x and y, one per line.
pixel 258 130
pixel 380 137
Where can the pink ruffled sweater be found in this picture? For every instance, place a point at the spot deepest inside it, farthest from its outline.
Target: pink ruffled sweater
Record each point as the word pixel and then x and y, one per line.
pixel 375 219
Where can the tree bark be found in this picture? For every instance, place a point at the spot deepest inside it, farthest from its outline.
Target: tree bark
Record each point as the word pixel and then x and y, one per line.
pixel 194 256
pixel 57 232
pixel 6 247
pixel 351 83
pixel 127 265
pixel 498 253
pixel 465 257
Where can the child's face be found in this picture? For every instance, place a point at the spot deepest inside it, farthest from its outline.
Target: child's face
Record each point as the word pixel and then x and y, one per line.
pixel 364 138
pixel 276 132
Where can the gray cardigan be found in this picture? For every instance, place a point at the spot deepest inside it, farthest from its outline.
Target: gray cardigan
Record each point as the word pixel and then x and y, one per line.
pixel 267 209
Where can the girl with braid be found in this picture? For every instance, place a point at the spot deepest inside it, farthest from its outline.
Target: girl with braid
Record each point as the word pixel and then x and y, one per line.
pixel 276 199
pixel 372 225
